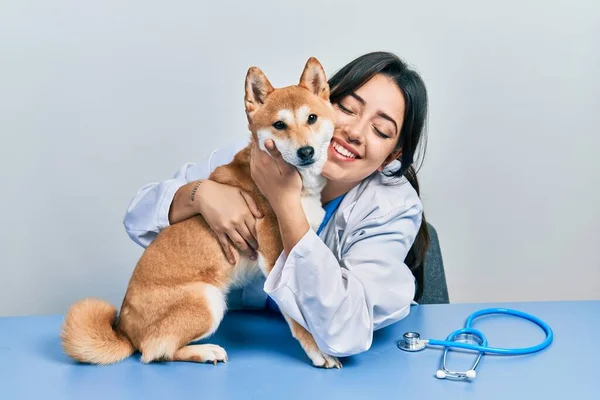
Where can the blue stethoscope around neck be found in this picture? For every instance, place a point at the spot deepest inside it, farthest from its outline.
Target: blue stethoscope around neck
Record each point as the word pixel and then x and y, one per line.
pixel 469 338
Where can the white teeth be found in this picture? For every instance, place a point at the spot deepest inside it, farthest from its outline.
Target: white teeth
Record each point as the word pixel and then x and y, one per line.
pixel 343 151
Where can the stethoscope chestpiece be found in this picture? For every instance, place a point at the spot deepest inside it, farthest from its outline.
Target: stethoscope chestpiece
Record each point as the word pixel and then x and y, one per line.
pixel 411 341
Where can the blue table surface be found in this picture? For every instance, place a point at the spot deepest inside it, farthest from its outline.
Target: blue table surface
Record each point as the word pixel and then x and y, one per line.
pixel 266 362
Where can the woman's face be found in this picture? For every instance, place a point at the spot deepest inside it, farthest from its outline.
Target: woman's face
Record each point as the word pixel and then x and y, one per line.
pixel 368 124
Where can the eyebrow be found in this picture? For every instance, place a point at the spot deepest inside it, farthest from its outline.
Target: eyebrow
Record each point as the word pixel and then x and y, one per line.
pixel 380 113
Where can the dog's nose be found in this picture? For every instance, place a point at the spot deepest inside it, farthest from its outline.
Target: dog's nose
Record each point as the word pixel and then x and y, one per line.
pixel 306 153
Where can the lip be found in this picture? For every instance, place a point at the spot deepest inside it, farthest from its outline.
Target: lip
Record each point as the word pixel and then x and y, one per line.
pixel 347 147
pixel 337 156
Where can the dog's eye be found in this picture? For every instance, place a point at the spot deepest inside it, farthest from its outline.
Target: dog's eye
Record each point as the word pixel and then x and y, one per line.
pixel 312 118
pixel 279 125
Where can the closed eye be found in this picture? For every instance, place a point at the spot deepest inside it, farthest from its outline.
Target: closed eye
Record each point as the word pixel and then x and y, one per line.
pixel 378 132
pixel 344 109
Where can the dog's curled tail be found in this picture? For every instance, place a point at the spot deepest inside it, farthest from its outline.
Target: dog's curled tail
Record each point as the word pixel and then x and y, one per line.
pixel 88 334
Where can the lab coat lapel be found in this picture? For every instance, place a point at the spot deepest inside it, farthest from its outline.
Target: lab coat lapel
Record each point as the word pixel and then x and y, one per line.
pixel 343 216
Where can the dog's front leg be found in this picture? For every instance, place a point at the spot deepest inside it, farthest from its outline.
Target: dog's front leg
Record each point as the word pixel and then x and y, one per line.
pixel 270 248
pixel 318 358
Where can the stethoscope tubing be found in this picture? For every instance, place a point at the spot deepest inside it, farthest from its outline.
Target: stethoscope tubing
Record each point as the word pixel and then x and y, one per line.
pixel 495 350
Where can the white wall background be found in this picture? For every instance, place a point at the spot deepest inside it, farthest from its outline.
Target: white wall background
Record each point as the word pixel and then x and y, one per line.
pixel 96 99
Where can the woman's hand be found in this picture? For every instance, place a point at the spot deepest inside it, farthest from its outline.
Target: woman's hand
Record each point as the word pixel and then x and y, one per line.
pixel 277 180
pixel 231 213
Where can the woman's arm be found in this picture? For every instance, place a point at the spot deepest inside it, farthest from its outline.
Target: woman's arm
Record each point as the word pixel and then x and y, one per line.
pixel 281 184
pixel 148 211
pixel 229 211
pixel 341 302
pixel 185 201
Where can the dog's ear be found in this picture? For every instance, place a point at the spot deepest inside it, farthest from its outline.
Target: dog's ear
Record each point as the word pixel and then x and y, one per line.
pixel 258 88
pixel 313 78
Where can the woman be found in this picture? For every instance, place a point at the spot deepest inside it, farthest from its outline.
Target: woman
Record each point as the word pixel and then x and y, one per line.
pixel 363 268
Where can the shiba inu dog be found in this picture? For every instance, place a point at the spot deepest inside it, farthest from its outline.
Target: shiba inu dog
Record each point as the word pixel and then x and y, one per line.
pixel 176 294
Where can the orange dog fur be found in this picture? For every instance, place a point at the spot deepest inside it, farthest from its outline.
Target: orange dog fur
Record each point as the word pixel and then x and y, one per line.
pixel 176 294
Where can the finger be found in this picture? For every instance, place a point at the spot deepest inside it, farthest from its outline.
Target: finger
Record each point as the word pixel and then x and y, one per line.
pixel 272 148
pixel 251 204
pixel 248 238
pixel 283 166
pixel 229 253
pixel 239 241
pixel 246 230
pixel 251 225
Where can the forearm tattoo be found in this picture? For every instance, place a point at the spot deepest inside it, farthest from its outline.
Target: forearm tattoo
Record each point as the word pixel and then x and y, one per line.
pixel 194 189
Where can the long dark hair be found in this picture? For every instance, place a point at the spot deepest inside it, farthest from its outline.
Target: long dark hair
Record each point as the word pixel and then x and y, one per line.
pixel 357 73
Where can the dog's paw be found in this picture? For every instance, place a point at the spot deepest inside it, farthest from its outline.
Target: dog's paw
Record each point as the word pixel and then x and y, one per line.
pixel 202 353
pixel 322 360
pixel 214 354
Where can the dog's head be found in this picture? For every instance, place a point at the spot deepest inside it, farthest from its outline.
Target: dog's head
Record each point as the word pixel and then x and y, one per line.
pixel 299 118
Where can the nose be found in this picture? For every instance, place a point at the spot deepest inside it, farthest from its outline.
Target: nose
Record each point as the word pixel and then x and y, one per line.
pixel 354 133
pixel 306 153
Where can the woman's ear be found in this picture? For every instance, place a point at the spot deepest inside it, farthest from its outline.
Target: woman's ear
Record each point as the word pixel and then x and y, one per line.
pixel 392 161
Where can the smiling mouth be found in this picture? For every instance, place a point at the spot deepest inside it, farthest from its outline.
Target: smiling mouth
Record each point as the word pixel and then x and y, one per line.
pixel 343 153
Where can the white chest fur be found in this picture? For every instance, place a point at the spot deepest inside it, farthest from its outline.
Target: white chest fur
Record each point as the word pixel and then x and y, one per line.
pixel 313 210
pixel 244 272
pixel 313 182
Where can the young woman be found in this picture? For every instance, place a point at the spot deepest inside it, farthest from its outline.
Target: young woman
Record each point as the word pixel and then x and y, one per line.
pixel 363 268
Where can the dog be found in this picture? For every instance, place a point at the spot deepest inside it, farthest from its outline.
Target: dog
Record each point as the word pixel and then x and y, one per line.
pixel 177 292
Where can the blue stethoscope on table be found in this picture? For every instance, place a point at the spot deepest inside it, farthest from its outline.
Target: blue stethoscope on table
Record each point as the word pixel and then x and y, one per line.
pixel 472 339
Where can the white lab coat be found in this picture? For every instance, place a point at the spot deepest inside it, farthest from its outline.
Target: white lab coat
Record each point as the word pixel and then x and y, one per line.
pixel 340 286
